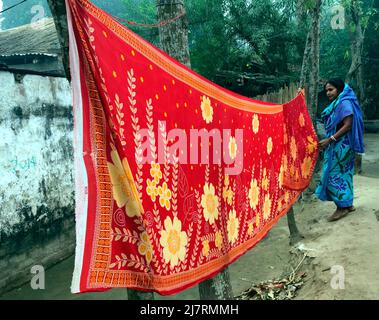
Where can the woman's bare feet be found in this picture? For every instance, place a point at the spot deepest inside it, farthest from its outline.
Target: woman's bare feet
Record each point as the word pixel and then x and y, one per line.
pixel 338 214
pixel 351 208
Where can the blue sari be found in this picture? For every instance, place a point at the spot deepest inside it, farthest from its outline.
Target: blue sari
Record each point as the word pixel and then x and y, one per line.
pixel 336 182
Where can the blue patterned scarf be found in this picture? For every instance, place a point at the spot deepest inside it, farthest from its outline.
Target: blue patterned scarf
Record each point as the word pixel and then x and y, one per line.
pixel 335 113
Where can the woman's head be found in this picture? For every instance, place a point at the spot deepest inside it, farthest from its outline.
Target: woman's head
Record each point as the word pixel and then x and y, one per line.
pixel 334 87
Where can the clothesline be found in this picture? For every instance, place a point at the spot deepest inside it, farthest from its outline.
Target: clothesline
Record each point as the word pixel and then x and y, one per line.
pixel 133 23
pixel 11 7
pixel 155 25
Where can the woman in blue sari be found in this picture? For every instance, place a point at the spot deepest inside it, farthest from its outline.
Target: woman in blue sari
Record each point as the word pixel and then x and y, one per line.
pixel 344 138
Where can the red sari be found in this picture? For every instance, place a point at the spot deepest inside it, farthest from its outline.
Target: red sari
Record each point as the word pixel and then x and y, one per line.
pixel 159 207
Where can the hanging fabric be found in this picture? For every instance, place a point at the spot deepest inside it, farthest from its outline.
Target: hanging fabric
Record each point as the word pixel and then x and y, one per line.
pixel 175 177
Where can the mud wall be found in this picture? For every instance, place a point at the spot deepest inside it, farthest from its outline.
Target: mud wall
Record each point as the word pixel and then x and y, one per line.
pixel 36 175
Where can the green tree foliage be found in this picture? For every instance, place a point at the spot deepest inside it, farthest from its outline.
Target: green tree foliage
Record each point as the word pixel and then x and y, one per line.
pixel 336 52
pixel 139 11
pixel 371 63
pixel 334 48
pixel 246 46
pixel 252 47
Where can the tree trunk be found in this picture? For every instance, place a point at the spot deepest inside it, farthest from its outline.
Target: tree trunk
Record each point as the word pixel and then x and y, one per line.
pixel 217 288
pixel 315 59
pixel 356 67
pixel 299 12
pixel 306 61
pixel 305 68
pixel 174 35
pixel 174 41
pixel 309 79
pixel 302 24
pixel 58 10
pixel 140 295
pixel 356 43
pixel 295 235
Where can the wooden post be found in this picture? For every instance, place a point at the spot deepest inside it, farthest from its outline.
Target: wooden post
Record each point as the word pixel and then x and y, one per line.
pixel 58 10
pixel 217 288
pixel 315 58
pixel 281 97
pixel 140 295
pixel 295 235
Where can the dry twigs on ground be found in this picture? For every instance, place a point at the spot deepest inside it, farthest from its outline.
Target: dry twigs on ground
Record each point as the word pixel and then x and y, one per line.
pixel 282 289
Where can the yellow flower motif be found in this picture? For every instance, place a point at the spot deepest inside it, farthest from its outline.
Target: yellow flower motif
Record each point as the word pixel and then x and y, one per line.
pixel 254 193
pixel 225 189
pixel 174 241
pixel 255 123
pixel 286 196
pixel 151 189
pixel 306 167
pixel 281 176
pixel 257 220
pixel 280 206
pixel 312 145
pixel 266 207
pixel 229 196
pixel 233 226
pixel 250 229
pixel 218 240
pixel 293 148
pixel 206 109
pixel 156 172
pixel 265 180
pixel 285 163
pixel 285 136
pixel 265 183
pixel 123 188
pixel 164 196
pixel 205 248
pixel 209 202
pixel 145 247
pixel 301 120
pixel 232 147
pixel 292 170
pixel 226 180
pixel 269 145
pixel 224 193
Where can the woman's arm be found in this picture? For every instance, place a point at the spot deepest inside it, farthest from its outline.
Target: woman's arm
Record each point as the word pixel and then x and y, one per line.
pixel 347 123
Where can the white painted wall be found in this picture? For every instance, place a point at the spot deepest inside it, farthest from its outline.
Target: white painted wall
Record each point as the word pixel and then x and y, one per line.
pixel 36 157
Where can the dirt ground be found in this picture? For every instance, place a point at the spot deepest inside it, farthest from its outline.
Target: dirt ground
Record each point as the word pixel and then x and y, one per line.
pixel 351 243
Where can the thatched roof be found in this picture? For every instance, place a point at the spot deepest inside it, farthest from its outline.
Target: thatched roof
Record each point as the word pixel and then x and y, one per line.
pixel 40 38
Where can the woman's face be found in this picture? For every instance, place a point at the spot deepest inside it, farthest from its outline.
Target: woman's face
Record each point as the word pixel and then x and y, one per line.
pixel 331 91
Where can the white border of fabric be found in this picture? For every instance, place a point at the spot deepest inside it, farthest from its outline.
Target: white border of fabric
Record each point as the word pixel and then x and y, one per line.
pixel 81 179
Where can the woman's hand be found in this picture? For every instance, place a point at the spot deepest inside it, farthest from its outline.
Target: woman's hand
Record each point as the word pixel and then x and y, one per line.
pixel 323 143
